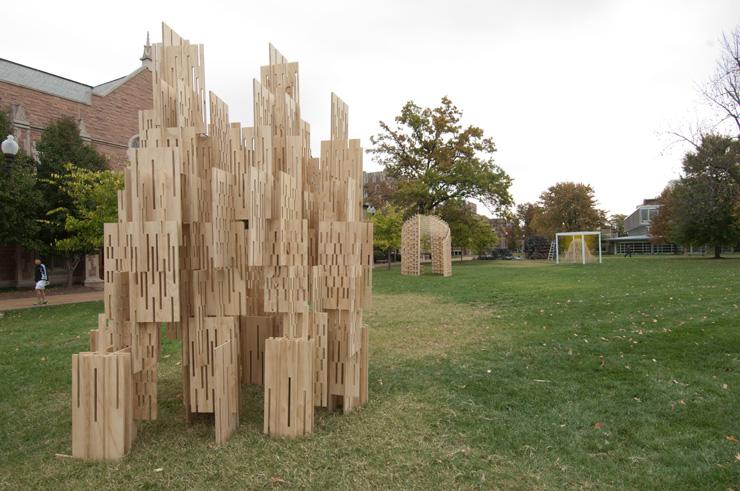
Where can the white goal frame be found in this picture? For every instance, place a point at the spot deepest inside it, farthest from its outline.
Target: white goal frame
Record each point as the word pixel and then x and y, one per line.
pixel 582 235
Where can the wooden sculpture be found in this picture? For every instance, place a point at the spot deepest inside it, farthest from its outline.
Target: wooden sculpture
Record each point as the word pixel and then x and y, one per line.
pixel 250 251
pixel 414 230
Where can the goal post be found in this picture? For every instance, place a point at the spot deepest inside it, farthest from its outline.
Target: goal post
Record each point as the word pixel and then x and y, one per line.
pixel 578 247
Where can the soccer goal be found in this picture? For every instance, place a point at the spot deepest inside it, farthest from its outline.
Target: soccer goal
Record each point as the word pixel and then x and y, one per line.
pixel 578 247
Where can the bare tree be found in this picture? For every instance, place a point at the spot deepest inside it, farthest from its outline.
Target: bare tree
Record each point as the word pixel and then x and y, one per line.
pixel 723 91
pixel 722 97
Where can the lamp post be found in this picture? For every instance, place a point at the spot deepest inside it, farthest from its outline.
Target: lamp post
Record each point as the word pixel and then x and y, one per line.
pixel 10 149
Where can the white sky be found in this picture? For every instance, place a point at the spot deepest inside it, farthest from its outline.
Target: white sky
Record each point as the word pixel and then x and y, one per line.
pixel 580 90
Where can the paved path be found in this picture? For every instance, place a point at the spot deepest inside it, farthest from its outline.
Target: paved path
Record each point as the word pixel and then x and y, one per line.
pixel 58 299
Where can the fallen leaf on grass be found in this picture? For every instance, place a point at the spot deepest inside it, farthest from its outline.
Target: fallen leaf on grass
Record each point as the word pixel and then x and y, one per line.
pixel 725 386
pixel 465 451
pixel 278 480
pixel 731 438
pixel 598 425
pixel 601 359
pixel 159 469
pixel 636 398
pixel 737 457
pixel 682 402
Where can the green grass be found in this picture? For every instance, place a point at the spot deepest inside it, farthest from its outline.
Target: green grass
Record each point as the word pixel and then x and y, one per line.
pixel 510 375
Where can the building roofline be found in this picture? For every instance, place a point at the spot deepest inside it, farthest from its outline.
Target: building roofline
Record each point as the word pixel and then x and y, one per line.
pixel 629 237
pixel 47 73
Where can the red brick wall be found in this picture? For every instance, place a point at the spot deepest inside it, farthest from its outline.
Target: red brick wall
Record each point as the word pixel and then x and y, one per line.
pixel 112 118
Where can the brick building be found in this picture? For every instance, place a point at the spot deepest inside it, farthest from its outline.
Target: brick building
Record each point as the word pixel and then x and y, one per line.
pixel 107 115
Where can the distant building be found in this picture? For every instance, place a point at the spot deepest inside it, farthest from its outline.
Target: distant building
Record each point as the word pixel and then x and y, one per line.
pixel 106 114
pixel 637 238
pixel 501 227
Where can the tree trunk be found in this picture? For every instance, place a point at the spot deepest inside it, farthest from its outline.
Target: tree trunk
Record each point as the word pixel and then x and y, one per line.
pixel 70 264
pixel 717 252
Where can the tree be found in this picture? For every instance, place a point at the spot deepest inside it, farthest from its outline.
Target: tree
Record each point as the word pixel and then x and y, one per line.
pixel 570 207
pixel 616 223
pixel 435 160
pixel 703 206
pixel 716 156
pixel 380 192
pixel 536 247
pixel 529 216
pixel 723 90
pixel 93 195
pixel 722 96
pixel 60 143
pixel 19 198
pixel 387 225
pixel 470 231
pixel 660 225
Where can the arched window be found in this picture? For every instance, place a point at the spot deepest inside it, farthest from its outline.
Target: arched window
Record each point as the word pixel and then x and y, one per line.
pixel 133 142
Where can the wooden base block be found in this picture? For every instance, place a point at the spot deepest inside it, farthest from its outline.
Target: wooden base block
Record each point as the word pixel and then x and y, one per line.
pixel 289 402
pixel 103 427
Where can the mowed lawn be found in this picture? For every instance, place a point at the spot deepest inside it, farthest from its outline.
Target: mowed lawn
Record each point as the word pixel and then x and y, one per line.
pixel 510 375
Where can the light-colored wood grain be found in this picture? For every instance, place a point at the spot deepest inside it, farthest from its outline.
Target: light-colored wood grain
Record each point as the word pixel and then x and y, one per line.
pixel 254 253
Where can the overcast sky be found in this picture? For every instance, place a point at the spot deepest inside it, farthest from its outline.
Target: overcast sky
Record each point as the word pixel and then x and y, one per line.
pixel 579 90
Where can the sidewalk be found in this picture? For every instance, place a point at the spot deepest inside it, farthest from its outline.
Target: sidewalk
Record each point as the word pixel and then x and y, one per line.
pixel 27 298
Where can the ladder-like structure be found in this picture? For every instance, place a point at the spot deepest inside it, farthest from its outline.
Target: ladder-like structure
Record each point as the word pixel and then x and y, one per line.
pixel 551 254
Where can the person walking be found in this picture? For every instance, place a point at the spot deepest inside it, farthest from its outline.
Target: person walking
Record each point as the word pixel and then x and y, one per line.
pixel 41 277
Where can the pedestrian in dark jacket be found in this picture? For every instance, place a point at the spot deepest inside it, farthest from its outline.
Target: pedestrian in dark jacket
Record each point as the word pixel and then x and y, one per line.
pixel 41 277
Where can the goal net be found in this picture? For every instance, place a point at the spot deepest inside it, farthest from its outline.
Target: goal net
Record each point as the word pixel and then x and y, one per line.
pixel 578 247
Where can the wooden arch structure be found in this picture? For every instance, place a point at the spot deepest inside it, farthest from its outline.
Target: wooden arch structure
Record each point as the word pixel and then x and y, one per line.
pixel 414 230
pixel 252 252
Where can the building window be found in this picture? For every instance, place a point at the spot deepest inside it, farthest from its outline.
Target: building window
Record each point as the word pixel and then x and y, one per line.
pixel 645 248
pixel 133 142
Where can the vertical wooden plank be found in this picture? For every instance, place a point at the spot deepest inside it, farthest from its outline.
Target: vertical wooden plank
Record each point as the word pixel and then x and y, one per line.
pixel 79 427
pixel 114 408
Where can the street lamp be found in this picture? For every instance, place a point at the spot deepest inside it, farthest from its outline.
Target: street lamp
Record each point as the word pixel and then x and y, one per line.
pixel 10 149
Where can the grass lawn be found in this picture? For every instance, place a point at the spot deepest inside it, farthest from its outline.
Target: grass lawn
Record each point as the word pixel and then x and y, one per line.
pixel 511 375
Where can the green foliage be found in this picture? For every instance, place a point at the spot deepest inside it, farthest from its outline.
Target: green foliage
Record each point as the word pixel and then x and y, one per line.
pixel 536 247
pixel 569 207
pixel 703 206
pixel 19 198
pixel 469 230
pixel 94 201
pixel 616 223
pixel 717 157
pixel 435 160
pixel 387 224
pixel 529 216
pixel 60 144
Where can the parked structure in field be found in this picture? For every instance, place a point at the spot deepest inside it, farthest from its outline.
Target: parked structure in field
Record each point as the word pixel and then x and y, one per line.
pixel 418 229
pixel 252 252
